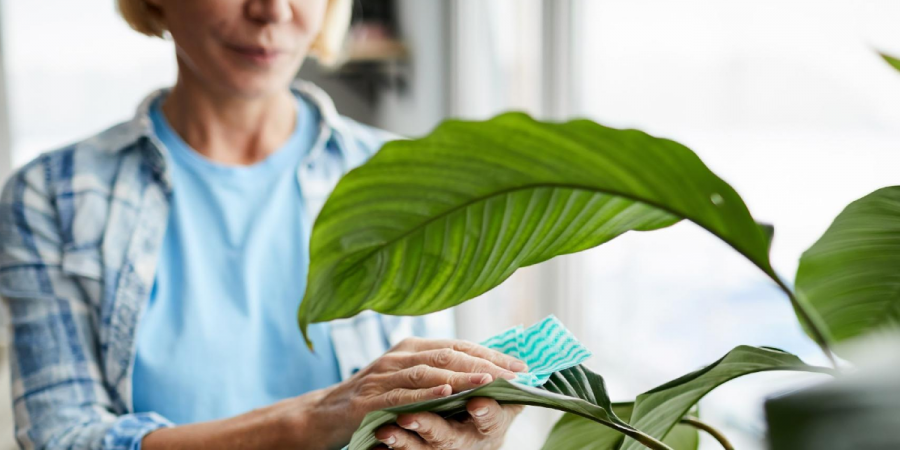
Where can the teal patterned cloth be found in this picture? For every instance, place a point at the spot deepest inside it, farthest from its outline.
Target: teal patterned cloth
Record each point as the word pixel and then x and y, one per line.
pixel 546 347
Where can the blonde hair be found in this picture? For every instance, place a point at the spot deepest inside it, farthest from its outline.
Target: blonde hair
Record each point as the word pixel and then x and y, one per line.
pixel 147 19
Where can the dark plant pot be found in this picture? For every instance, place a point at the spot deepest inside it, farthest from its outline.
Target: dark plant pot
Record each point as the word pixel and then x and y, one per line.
pixel 861 412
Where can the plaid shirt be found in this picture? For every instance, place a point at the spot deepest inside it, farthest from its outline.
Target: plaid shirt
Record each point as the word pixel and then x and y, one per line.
pixel 80 234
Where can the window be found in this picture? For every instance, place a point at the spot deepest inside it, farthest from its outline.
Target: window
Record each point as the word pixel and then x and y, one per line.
pixel 53 81
pixel 785 100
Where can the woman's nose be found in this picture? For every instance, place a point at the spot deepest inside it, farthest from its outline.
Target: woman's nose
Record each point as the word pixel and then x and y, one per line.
pixel 270 11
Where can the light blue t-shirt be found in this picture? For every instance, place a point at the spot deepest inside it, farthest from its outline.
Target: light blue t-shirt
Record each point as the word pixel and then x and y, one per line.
pixel 219 335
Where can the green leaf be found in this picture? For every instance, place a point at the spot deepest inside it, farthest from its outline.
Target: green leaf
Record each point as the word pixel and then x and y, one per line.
pixel 849 276
pixel 427 224
pixel 768 232
pixel 577 433
pixel 683 437
pixel 576 390
pixel 657 411
pixel 894 62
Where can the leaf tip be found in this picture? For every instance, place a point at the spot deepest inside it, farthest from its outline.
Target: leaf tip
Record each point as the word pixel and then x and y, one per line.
pixel 309 342
pixel 304 325
pixel 894 62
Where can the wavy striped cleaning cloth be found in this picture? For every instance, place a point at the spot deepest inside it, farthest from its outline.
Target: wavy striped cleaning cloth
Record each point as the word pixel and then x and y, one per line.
pixel 546 347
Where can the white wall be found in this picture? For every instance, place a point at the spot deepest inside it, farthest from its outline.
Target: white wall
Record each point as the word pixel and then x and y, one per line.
pixel 5 141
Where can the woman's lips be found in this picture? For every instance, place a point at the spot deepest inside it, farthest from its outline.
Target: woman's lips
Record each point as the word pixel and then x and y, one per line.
pixel 257 55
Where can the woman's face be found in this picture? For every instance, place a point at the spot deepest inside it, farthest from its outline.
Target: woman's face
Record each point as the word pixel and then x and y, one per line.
pixel 246 47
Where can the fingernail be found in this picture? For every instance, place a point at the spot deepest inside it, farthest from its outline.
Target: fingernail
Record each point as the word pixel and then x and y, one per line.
pixel 480 412
pixel 480 378
pixel 518 366
pixel 391 440
pixel 442 390
pixel 412 425
pixel 508 375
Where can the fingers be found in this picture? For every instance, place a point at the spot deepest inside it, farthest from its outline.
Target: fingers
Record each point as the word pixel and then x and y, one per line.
pixel 424 376
pixel 426 430
pixel 396 438
pixel 457 361
pixel 499 359
pixel 488 416
pixel 398 397
pixel 436 431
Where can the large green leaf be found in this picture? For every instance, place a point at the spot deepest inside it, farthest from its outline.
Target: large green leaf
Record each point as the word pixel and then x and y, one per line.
pixel 683 437
pixel 427 224
pixel 850 275
pixel 576 390
pixel 577 433
pixel 894 62
pixel 657 411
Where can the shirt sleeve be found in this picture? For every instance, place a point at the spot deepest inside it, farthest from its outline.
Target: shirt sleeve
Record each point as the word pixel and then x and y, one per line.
pixel 60 399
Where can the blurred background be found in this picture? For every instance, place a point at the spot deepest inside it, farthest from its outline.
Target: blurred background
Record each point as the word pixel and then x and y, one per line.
pixel 787 100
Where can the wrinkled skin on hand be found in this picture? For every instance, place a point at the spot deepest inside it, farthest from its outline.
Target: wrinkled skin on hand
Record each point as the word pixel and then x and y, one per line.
pixel 417 370
pixel 483 429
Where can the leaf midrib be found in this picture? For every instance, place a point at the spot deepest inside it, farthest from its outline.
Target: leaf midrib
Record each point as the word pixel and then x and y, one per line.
pixel 506 191
pixel 794 368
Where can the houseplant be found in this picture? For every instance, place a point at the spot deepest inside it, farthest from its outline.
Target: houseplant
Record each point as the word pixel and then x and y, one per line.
pixel 430 223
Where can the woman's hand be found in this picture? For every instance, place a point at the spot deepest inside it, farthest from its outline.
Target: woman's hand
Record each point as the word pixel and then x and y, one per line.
pixel 483 429
pixel 412 371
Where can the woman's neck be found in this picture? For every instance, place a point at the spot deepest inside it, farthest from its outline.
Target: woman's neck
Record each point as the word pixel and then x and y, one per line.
pixel 229 129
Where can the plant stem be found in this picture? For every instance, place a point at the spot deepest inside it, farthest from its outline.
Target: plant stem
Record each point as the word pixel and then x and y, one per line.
pixel 814 326
pixel 648 441
pixel 696 423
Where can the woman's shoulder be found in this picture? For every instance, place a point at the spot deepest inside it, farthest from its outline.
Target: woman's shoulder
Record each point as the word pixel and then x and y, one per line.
pixel 360 140
pixel 368 138
pixel 91 163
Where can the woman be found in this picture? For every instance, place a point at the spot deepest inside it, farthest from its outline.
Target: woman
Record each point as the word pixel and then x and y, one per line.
pixel 152 272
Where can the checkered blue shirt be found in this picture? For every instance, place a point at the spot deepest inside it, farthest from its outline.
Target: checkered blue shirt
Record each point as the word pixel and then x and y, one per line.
pixel 80 234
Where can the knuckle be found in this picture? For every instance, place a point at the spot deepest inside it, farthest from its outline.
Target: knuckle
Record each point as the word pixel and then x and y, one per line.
pixel 461 379
pixel 444 357
pixel 417 374
pixel 393 398
pixel 438 440
pixel 484 366
pixel 490 428
pixel 464 346
pixel 472 365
